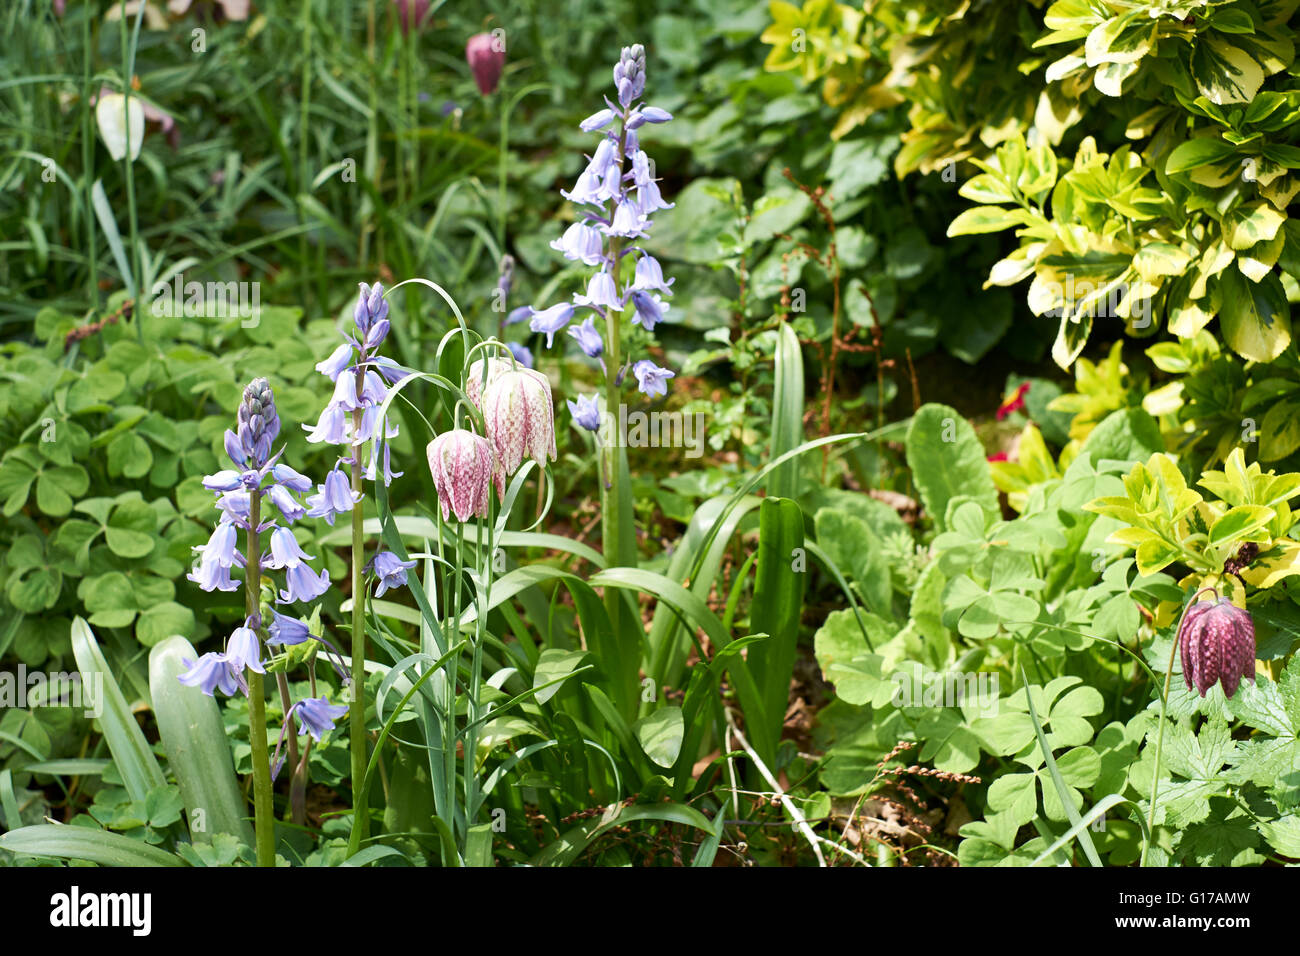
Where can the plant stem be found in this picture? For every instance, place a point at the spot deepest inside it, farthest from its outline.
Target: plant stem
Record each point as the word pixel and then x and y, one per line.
pixel 298 771
pixel 300 179
pixel 1160 732
pixel 357 712
pixel 263 811
pixel 87 162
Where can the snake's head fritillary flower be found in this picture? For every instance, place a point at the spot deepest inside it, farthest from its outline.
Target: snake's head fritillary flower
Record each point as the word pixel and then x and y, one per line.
pixel 520 418
pixel 486 56
pixel 410 14
pixel 477 379
pixel 464 468
pixel 1216 643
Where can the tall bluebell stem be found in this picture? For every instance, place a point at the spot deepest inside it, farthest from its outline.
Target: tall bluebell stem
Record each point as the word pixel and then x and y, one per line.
pixel 239 667
pixel 615 208
pixel 352 419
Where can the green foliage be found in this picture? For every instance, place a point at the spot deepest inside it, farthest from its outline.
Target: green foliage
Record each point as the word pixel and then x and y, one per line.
pixel 114 414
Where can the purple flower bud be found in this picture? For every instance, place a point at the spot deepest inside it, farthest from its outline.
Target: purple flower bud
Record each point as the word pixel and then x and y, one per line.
pixel 286 503
pixel 234 507
pixel 227 480
pixel 234 449
pixel 371 306
pixel 375 337
pixel 629 74
pixel 597 121
pixel 1216 643
pixel 286 630
pixel 521 314
pixel 389 369
pixel 486 56
pixel 258 423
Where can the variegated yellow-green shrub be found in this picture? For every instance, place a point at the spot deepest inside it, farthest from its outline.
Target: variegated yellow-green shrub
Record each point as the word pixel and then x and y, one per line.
pixel 1142 152
pixel 1234 538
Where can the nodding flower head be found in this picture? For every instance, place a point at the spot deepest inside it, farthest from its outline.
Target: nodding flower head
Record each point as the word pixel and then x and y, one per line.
pixel 258 423
pixel 520 417
pixel 1216 643
pixel 464 469
pixel 486 55
pixel 482 373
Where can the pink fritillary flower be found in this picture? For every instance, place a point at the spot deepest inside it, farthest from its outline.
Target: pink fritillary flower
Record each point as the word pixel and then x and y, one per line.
pixel 486 55
pixel 520 417
pixel 464 468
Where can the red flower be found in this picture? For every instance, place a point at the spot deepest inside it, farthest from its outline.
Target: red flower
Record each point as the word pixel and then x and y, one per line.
pixel 486 55
pixel 1016 403
pixel 999 456
pixel 411 13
